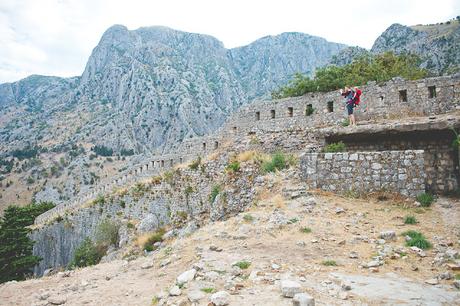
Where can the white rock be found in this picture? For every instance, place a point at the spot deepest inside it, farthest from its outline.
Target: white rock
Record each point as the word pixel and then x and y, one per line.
pixel 147 265
pixel 303 299
pixel 220 298
pixel 195 295
pixel 175 291
pixel 373 263
pixel 388 235
pixel 186 277
pixel 432 281
pixel 57 300
pixel 290 288
pixel 275 266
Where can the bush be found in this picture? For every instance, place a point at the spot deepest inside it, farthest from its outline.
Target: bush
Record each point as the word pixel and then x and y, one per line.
pixel 107 233
pixel 417 239
pixel 103 151
pixel 277 162
pixel 410 220
pixel 208 290
pixel 216 189
pixel 425 199
pixel 335 147
pixel 380 68
pixel 87 254
pixel 248 218
pixel 242 264
pixel 233 166
pixel 195 164
pixel 154 238
pixel 329 263
pixel 305 230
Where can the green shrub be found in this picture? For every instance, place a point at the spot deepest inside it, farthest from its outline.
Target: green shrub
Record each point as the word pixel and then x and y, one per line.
pixel 309 111
pixel 130 225
pixel 329 263
pixel 242 264
pixel 208 290
pixel 425 199
pixel 305 230
pixel 410 220
pixel 216 189
pixel 293 220
pixel 195 164
pixel 381 67
pixel 277 162
pixel 107 233
pixel 157 236
pixel 99 200
pixel 248 218
pixel 233 166
pixel 417 239
pixel 148 247
pixel 345 122
pixel 334 147
pixel 87 254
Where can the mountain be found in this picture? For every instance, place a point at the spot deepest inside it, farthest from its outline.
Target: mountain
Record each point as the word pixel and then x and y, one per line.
pixel 438 45
pixel 142 91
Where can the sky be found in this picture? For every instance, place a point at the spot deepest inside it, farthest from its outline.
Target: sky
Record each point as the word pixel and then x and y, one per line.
pixel 56 37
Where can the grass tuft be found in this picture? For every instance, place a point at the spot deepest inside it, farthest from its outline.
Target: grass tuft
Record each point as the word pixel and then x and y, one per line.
pixel 243 264
pixel 305 230
pixel 329 263
pixel 417 239
pixel 425 199
pixel 410 220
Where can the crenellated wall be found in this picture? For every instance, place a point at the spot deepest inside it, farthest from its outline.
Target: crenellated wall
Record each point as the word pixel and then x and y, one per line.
pixel 285 124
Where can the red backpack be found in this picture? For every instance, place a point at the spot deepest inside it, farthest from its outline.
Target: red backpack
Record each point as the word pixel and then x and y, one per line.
pixel 357 98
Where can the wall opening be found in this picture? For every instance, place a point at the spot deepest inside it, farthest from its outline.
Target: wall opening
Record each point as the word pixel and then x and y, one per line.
pixel 234 129
pixel 181 160
pixel 403 95
pixel 272 114
pixel 290 111
pixel 257 116
pixel 309 110
pixel 216 145
pixel 162 164
pixel 381 98
pixel 171 162
pixel 431 92
pixel 204 146
pixel 330 106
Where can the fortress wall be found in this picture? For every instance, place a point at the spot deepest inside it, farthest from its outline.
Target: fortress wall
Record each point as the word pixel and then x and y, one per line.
pixel 364 172
pixel 285 124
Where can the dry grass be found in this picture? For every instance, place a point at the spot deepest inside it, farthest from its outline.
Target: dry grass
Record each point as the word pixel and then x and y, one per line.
pixel 246 156
pixel 142 239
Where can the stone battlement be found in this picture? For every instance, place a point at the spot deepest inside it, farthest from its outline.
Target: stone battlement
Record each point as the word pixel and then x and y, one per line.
pixel 293 124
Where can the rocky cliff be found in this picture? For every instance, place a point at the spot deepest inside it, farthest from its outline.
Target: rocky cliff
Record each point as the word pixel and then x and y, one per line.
pixel 438 45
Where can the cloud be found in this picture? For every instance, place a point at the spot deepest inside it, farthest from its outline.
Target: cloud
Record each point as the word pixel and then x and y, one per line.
pixel 56 37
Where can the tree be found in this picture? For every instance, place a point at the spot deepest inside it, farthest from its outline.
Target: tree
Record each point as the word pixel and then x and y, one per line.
pixel 379 68
pixel 16 259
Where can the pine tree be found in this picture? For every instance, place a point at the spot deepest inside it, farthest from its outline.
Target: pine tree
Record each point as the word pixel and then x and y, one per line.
pixel 16 259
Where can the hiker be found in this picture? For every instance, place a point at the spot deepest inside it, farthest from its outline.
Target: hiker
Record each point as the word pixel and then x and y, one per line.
pixel 349 96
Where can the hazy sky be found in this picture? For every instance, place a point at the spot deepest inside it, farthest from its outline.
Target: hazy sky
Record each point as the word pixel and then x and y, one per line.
pixel 56 37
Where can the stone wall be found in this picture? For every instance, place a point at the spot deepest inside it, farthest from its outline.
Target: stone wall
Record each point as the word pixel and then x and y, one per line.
pixel 284 124
pixel 440 158
pixel 363 172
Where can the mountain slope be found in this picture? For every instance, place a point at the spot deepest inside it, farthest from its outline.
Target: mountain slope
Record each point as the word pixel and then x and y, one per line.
pixel 438 45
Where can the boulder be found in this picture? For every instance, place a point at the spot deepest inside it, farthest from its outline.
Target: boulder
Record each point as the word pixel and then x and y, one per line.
pixel 186 277
pixel 303 299
pixel 388 235
pixel 175 291
pixel 290 288
pixel 220 298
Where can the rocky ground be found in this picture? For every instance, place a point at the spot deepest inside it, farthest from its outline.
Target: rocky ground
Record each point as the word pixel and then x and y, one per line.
pixel 337 250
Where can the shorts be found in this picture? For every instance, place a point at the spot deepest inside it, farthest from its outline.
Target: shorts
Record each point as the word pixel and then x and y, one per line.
pixel 350 109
